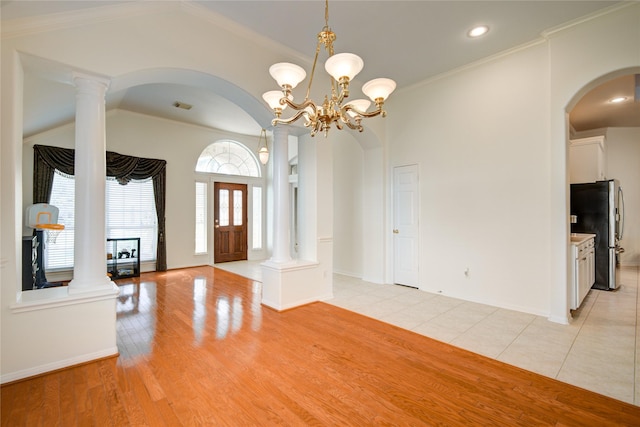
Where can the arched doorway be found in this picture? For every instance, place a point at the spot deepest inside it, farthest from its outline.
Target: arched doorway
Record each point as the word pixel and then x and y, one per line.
pixel 604 144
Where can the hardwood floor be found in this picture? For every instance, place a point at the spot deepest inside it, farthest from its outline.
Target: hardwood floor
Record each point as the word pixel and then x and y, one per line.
pixel 197 348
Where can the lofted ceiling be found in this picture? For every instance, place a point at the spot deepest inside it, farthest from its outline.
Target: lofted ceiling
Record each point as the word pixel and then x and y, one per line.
pixel 409 41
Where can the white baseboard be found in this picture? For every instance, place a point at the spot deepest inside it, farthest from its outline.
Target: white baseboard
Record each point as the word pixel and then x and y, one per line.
pixel 59 364
pixel 563 320
pixel 278 307
pixel 347 273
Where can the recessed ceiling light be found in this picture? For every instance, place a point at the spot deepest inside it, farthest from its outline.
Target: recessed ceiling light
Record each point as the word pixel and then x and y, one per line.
pixel 618 99
pixel 478 31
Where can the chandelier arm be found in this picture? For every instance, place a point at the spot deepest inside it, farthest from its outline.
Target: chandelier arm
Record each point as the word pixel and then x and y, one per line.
pixel 346 119
pixel 353 126
pixel 291 119
pixel 378 112
pixel 364 114
pixel 306 103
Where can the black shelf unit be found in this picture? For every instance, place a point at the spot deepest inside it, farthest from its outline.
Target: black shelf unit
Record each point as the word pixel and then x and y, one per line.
pixel 123 257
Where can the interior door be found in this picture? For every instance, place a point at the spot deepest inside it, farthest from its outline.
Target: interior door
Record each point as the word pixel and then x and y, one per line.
pixel 405 225
pixel 230 222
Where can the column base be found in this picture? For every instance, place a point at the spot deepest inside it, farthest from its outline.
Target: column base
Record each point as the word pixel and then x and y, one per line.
pixel 99 286
pixel 295 283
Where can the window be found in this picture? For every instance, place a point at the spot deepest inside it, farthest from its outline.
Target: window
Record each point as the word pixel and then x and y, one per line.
pixel 257 218
pixel 229 158
pixel 130 212
pixel 201 217
pixel 59 255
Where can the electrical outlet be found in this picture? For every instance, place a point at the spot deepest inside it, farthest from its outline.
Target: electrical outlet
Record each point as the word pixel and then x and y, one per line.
pixel 466 272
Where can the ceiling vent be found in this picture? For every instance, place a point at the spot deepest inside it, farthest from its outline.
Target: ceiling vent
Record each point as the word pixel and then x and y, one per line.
pixel 182 105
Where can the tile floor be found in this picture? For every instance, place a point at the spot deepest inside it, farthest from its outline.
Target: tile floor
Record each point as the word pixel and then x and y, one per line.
pixel 598 351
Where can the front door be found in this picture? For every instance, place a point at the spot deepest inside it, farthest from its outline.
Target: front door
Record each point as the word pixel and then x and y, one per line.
pixel 405 225
pixel 230 222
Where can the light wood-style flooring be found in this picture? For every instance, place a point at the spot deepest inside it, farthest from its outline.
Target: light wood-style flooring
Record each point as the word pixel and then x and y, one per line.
pixel 198 348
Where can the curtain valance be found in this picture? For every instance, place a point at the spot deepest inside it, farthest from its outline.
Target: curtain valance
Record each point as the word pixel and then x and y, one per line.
pixel 124 168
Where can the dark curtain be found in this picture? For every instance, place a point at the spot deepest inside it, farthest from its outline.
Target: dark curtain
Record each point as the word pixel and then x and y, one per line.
pixel 45 161
pixel 159 191
pixel 123 168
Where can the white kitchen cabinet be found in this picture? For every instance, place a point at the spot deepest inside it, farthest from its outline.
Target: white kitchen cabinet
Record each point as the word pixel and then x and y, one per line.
pixel 583 251
pixel 587 160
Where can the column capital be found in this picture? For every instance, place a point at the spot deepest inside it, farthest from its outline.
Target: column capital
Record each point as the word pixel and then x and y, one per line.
pixel 79 78
pixel 281 131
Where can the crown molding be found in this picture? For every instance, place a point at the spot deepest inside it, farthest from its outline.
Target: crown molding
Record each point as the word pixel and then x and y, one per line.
pixel 543 38
pixel 602 12
pixel 58 21
pixel 23 27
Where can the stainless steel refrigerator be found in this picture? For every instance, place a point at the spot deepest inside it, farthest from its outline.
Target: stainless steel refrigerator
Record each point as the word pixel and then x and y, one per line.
pixel 598 208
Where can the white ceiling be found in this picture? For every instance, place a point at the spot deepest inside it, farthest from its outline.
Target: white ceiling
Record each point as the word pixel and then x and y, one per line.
pixel 408 41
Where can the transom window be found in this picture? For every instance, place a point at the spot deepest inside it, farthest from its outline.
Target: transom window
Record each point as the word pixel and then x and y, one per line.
pixel 228 158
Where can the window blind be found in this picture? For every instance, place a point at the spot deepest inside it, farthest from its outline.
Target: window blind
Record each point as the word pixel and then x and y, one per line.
pixel 130 212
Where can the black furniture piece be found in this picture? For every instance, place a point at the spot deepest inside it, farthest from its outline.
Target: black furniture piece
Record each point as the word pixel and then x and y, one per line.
pixel 33 275
pixel 30 250
pixel 123 257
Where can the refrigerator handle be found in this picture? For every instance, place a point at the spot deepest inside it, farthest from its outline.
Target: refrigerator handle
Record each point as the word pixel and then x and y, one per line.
pixel 621 211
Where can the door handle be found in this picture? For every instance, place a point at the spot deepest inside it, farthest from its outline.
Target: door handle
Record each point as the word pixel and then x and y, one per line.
pixel 216 226
pixel 395 231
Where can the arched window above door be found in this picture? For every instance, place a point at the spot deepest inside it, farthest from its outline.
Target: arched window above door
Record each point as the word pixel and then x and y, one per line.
pixel 228 158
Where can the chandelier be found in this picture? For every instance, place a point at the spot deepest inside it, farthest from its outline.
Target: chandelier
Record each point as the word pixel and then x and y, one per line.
pixel 342 68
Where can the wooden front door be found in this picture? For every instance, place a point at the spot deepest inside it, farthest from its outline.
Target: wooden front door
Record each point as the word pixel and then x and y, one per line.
pixel 230 222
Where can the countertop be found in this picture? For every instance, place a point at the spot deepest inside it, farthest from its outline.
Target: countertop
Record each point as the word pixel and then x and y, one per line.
pixel 578 238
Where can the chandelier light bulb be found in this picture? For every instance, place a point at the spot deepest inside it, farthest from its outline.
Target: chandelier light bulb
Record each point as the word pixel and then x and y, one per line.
pixel 263 154
pixel 362 105
pixel 379 88
pixel 287 74
pixel 273 99
pixel 344 65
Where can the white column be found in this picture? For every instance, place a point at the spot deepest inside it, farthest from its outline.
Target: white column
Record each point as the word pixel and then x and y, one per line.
pixel 281 222
pixel 90 268
pixel 288 283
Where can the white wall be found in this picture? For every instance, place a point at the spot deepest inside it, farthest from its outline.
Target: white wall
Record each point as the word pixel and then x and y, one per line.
pixel 348 212
pixel 623 164
pixel 483 167
pixel 374 218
